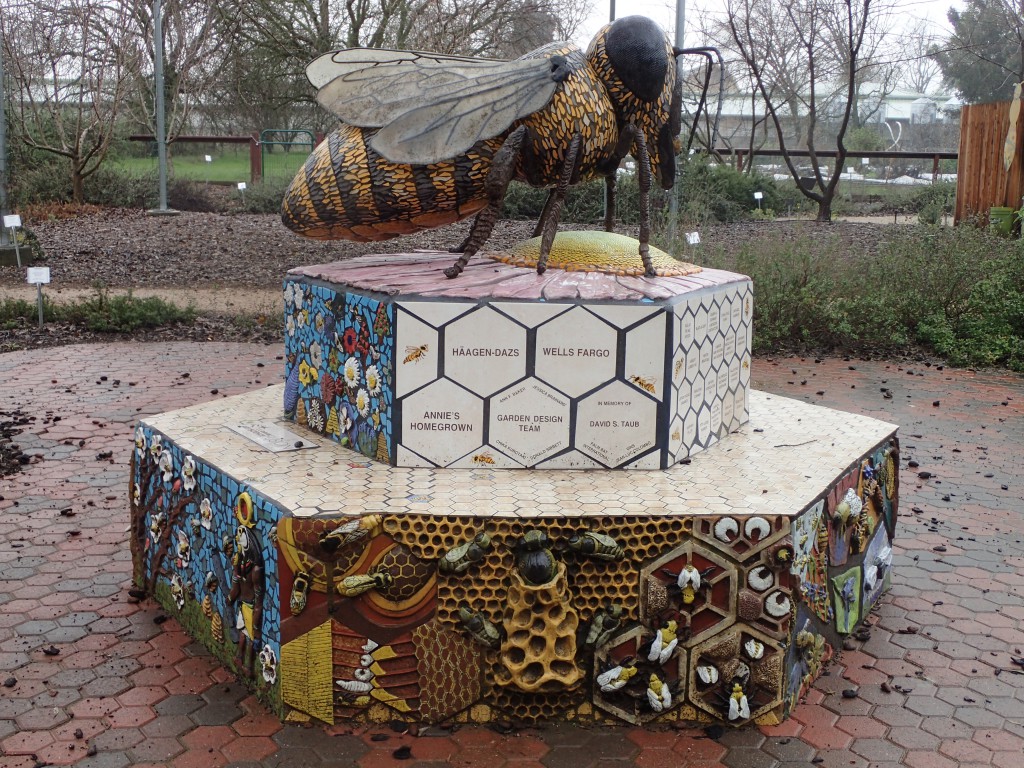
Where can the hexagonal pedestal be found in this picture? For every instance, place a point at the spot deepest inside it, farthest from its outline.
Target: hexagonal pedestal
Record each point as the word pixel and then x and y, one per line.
pixel 507 368
pixel 384 590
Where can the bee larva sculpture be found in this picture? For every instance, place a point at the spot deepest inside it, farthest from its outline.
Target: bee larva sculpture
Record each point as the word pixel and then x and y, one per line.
pixel 428 140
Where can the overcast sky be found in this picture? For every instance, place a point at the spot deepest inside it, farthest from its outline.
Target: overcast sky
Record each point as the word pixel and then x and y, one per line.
pixel 663 11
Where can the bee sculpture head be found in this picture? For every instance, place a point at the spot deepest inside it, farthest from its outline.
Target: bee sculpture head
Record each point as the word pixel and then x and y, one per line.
pixel 636 61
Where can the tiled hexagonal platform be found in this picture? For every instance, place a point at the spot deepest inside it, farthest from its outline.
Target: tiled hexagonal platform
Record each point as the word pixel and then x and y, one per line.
pixel 714 589
pixel 515 369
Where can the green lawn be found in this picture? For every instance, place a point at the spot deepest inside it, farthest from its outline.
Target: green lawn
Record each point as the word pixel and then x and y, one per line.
pixel 229 166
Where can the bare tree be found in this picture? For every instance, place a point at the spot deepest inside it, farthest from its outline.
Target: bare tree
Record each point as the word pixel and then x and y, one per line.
pixel 809 60
pixel 69 61
pixel 919 67
pixel 193 41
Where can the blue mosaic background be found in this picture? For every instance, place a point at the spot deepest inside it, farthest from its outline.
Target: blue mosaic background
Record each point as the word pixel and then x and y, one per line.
pixel 203 527
pixel 339 363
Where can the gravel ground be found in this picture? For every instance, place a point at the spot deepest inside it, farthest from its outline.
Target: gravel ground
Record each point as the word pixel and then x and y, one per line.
pixel 226 258
pixel 131 249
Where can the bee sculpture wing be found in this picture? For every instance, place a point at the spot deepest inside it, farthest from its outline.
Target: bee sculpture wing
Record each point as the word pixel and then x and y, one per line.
pixel 428 107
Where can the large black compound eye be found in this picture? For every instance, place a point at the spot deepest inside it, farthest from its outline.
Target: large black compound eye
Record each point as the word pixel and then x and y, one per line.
pixel 636 48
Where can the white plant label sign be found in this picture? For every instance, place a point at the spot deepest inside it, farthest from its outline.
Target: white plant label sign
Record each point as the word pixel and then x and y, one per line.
pixel 38 275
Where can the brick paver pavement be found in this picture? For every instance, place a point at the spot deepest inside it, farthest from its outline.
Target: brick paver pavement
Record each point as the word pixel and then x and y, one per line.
pixel 937 683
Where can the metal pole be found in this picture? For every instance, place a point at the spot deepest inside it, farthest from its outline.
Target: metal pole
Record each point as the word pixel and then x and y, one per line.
pixel 158 85
pixel 3 145
pixel 39 300
pixel 680 22
pixel 673 202
pixel 14 239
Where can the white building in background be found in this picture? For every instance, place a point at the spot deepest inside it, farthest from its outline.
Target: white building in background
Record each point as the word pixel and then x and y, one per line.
pixel 893 113
pixel 910 107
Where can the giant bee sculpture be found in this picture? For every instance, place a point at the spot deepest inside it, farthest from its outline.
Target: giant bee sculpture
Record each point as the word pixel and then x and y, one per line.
pixel 427 140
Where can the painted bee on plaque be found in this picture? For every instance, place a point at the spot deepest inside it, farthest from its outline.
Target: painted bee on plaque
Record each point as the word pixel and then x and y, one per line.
pixel 428 140
pixel 645 383
pixel 414 354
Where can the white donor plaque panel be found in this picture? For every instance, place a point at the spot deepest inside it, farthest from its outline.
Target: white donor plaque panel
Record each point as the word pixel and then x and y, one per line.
pixel 616 424
pixel 576 352
pixel 530 422
pixel 485 351
pixel 442 422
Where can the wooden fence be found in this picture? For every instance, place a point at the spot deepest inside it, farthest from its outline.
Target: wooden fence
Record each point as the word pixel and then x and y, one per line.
pixel 983 180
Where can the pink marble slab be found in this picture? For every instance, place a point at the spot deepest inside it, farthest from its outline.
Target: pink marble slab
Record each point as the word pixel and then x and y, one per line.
pixel 422 273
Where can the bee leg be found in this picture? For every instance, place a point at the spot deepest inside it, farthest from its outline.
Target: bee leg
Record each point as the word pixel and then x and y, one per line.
pixel 609 201
pixel 611 170
pixel 556 200
pixel 461 247
pixel 502 170
pixel 643 162
pixel 539 229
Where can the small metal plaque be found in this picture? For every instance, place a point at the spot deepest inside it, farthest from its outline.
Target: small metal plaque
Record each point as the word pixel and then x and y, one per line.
pixel 12 221
pixel 271 436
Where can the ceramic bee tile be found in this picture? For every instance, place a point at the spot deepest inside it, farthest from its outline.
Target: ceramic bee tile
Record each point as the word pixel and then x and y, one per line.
pixel 809 650
pixel 846 599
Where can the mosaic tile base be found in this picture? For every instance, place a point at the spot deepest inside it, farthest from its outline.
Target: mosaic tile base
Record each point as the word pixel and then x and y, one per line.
pixel 509 369
pixel 348 590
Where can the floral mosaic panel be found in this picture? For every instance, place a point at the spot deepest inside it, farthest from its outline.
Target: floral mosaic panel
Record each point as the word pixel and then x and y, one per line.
pixel 339 369
pixel 190 524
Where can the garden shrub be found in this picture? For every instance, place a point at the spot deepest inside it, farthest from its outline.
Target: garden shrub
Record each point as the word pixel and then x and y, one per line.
pixel 955 292
pixel 933 202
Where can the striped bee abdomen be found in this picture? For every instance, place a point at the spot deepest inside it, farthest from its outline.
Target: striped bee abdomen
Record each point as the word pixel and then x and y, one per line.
pixel 348 191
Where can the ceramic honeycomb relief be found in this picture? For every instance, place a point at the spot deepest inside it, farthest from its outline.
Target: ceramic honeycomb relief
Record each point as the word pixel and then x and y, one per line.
pixel 427 521
pixel 470 380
